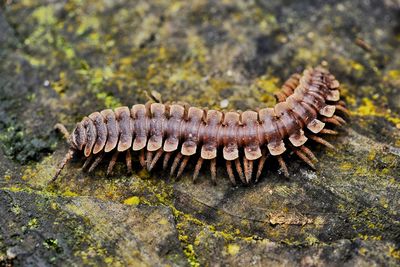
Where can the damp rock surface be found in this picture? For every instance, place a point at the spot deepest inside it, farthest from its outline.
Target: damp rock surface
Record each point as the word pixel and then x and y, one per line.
pixel 63 60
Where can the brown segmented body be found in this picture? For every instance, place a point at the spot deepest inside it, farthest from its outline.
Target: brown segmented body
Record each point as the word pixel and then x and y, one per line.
pixel 305 104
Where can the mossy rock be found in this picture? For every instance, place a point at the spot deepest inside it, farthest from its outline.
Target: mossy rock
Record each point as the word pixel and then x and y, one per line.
pixel 62 61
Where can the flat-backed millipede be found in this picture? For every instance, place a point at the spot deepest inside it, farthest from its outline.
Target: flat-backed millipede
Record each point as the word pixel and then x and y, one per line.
pixel 245 140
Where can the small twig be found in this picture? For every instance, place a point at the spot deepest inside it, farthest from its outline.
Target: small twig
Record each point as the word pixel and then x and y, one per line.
pixel 363 44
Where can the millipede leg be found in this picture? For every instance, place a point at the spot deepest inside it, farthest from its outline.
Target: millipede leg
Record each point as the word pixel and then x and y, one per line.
pixel 142 159
pixel 342 109
pixel 332 121
pixel 309 153
pixel 245 168
pixel 183 165
pixel 175 163
pixel 248 169
pixel 166 159
pixel 288 87
pixel 283 166
pixel 280 97
pixel 96 162
pixel 155 159
pixel 339 119
pixel 149 158
pixel 67 157
pixel 328 131
pixel 229 170
pixel 197 168
pixel 260 167
pixel 239 170
pixel 304 158
pixel 213 169
pixel 128 160
pixel 112 162
pixel 321 141
pixel 287 91
pixel 87 162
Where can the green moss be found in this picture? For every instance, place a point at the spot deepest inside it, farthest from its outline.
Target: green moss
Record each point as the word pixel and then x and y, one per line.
pixel 306 55
pixel 15 143
pixel 61 84
pixel 16 209
pixel 51 243
pixel 44 15
pixel 351 66
pixel 109 100
pixel 33 223
pixel 312 240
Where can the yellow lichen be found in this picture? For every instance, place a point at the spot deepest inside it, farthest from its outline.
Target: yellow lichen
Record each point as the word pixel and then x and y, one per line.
pixel 183 238
pixel 372 155
pixel 369 237
pixel 191 255
pixel 69 193
pixel 163 221
pixel 14 189
pixel 233 249
pixel 384 202
pixel 54 206
pixel 312 240
pixel 362 251
pixel 132 201
pixel 394 252
pixel 346 166
pixel 319 221
pixel 368 108
pixel 392 77
pixel 362 171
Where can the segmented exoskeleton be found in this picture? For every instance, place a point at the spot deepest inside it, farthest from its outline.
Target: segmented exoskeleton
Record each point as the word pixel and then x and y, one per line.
pixel 245 140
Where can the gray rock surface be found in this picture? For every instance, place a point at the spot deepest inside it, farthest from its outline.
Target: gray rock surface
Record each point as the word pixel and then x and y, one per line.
pixel 63 60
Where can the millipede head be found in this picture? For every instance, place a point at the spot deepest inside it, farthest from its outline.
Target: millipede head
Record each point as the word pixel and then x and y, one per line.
pixel 78 137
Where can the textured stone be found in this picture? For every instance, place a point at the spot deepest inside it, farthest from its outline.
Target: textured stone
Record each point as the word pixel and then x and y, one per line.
pixel 61 61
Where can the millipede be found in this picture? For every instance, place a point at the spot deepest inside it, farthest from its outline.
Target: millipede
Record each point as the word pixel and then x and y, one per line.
pixel 173 133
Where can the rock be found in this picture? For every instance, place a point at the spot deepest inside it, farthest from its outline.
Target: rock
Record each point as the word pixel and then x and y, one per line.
pixel 42 228
pixel 62 61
